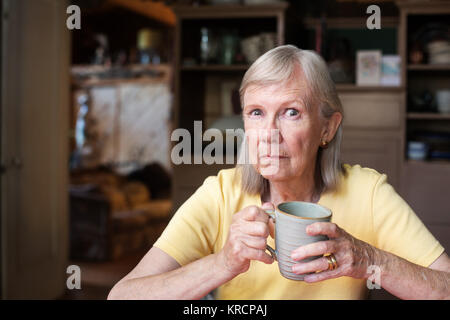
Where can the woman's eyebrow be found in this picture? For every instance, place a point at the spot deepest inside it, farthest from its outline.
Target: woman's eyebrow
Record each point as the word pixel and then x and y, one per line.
pixel 252 106
pixel 296 101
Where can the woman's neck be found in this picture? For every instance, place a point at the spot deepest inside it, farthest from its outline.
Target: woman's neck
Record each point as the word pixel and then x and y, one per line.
pixel 300 189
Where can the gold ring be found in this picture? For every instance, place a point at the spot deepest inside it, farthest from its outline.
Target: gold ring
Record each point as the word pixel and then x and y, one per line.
pixel 332 263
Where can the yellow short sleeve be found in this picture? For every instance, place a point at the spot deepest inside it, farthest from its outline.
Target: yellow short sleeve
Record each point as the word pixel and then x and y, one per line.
pixel 399 230
pixel 193 230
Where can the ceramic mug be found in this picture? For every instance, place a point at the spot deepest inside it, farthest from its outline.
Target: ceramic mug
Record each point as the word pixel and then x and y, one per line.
pixel 291 220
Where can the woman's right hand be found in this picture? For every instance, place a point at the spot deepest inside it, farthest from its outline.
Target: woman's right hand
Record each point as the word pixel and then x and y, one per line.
pixel 247 239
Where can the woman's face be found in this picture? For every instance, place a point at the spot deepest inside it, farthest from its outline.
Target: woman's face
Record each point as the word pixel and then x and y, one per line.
pixel 279 110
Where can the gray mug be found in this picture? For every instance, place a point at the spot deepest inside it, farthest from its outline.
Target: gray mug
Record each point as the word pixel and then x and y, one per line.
pixel 291 219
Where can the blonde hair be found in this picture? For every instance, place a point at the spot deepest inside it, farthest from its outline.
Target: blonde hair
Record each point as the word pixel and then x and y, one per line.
pixel 277 66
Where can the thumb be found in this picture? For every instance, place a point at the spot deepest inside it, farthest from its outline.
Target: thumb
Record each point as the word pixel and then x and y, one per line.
pixel 270 206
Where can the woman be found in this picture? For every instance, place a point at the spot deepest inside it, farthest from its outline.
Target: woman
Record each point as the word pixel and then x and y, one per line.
pixel 217 239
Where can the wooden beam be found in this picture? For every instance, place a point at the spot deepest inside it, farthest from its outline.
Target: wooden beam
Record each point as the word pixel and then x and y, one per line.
pixel 154 10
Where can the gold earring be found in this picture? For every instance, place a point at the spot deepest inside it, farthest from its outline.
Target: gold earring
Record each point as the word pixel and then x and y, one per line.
pixel 324 144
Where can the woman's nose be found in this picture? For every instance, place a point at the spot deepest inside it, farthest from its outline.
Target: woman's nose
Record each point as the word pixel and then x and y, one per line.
pixel 271 131
pixel 270 124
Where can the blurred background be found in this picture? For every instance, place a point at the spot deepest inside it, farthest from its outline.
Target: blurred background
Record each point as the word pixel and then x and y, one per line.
pixel 87 115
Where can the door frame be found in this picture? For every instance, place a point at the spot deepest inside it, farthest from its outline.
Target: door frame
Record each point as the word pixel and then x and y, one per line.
pixel 35 74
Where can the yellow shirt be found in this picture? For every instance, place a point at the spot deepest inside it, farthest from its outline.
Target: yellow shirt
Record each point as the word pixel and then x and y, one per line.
pixel 365 205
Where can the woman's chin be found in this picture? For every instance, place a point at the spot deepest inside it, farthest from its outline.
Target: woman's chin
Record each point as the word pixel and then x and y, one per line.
pixel 273 173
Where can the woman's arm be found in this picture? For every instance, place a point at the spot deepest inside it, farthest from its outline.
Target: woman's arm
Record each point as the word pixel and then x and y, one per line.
pixel 407 280
pixel 159 276
pixel 398 276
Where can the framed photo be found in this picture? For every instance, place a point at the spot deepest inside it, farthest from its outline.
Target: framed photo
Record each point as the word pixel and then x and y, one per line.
pixel 368 67
pixel 390 70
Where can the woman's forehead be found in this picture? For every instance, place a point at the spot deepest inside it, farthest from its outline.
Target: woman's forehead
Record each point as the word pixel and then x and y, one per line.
pixel 279 92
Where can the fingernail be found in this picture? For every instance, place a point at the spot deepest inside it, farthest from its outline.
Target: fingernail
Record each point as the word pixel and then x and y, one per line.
pixel 295 256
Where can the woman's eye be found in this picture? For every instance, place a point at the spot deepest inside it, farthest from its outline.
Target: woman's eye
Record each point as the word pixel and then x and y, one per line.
pixel 292 112
pixel 256 112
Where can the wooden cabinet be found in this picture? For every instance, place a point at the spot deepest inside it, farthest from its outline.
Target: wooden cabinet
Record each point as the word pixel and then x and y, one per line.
pixel 379 110
pixel 374 149
pixel 373 130
pixel 426 189
pixel 425 184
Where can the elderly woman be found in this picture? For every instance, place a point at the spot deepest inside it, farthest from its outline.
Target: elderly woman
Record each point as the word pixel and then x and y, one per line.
pixel 217 239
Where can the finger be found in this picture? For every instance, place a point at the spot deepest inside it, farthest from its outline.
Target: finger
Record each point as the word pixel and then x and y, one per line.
pixel 254 242
pixel 257 254
pixel 314 249
pixel 321 276
pixel 254 228
pixel 325 228
pixel 255 213
pixel 268 206
pixel 320 264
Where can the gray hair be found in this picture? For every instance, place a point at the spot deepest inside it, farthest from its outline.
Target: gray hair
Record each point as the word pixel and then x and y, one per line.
pixel 277 66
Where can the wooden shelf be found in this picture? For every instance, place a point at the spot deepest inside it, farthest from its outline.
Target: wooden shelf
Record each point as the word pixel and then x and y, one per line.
pixel 216 67
pixel 88 83
pixel 418 164
pixel 351 22
pixel 93 78
pixel 89 69
pixel 428 116
pixel 429 67
pixel 229 11
pixel 354 87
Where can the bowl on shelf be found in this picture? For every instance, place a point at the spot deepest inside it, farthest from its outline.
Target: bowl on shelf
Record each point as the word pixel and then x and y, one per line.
pixel 253 47
pixel 439 52
pixel 417 150
pixel 443 101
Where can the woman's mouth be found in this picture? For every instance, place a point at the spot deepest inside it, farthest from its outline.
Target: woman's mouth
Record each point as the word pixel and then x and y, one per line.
pixel 273 157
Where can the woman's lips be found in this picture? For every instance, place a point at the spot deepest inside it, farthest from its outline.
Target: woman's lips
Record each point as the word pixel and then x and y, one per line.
pixel 273 157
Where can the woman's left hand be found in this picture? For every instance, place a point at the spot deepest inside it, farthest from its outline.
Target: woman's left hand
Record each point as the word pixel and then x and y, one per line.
pixel 353 256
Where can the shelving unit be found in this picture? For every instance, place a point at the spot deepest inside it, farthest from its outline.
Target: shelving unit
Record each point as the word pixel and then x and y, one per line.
pixel 193 80
pixel 373 116
pixel 197 86
pixel 423 76
pixel 425 184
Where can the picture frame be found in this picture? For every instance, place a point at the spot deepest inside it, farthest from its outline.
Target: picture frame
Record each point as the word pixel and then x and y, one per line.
pixel 368 67
pixel 390 70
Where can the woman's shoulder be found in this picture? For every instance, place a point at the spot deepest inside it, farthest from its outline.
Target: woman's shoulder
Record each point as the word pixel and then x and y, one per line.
pixel 360 177
pixel 224 187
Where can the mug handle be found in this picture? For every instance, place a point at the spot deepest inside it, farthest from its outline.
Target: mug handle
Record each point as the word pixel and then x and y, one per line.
pixel 273 253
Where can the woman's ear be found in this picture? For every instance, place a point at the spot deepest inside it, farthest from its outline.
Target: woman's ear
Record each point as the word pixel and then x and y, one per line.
pixel 331 127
